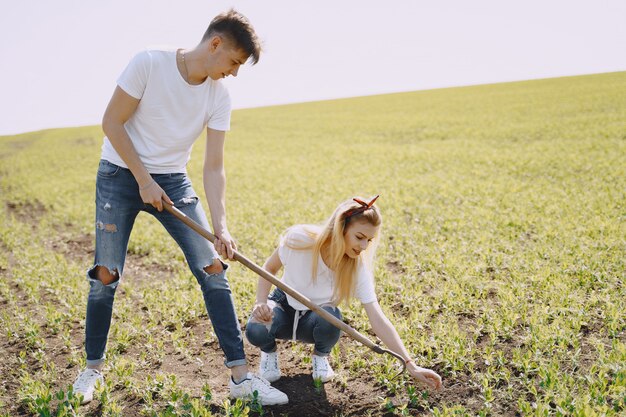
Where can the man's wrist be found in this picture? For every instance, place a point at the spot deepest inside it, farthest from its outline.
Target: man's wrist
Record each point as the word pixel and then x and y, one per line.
pixel 221 230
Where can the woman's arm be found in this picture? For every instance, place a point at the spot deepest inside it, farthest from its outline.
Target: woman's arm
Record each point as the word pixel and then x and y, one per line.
pixel 387 333
pixel 262 312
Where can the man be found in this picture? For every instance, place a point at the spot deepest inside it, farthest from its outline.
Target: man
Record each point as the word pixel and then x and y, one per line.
pixel 163 101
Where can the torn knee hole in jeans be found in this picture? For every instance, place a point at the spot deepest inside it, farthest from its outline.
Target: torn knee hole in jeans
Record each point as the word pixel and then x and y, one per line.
pixel 111 274
pixel 213 269
pixel 105 275
pixel 107 227
pixel 217 267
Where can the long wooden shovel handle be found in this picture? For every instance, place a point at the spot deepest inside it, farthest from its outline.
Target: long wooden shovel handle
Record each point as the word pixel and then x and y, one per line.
pixel 286 288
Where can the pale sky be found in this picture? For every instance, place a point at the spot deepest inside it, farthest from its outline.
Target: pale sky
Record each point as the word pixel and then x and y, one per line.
pixel 60 59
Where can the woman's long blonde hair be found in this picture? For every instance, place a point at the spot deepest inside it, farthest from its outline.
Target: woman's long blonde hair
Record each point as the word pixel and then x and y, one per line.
pixel 331 235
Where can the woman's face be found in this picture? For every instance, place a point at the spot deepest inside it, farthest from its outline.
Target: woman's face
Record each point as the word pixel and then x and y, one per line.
pixel 358 236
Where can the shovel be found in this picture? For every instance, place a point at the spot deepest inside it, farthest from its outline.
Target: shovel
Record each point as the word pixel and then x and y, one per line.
pixel 287 289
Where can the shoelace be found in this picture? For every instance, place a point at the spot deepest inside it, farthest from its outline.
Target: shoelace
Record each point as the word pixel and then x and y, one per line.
pixel 274 362
pixel 267 386
pixel 320 365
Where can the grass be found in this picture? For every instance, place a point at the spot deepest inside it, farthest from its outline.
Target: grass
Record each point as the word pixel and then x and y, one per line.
pixel 502 260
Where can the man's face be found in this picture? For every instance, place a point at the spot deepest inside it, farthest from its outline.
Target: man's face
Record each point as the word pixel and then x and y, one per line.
pixel 226 59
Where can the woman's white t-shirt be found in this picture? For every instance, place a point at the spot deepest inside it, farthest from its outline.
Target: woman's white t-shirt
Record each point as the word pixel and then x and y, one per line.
pixel 298 269
pixel 171 113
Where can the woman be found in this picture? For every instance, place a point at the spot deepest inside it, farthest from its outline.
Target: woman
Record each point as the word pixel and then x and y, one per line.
pixel 343 251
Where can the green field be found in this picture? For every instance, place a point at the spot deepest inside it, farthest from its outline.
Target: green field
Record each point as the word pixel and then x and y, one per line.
pixel 502 261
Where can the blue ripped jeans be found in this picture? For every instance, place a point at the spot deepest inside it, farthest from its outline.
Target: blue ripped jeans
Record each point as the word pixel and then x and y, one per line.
pixel 310 328
pixel 117 205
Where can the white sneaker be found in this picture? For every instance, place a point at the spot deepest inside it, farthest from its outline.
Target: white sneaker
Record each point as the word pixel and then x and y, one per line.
pixel 85 384
pixel 269 368
pixel 322 369
pixel 266 394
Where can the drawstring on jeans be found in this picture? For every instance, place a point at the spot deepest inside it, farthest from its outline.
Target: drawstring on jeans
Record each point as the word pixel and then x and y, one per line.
pixel 296 319
pixel 298 314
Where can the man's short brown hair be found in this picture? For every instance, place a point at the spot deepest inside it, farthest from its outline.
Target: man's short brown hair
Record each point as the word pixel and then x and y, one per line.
pixel 236 28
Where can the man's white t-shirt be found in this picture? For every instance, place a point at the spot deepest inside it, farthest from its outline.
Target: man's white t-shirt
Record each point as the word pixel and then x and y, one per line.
pixel 297 272
pixel 171 113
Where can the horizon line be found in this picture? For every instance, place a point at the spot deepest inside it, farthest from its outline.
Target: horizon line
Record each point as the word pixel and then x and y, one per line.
pixel 288 103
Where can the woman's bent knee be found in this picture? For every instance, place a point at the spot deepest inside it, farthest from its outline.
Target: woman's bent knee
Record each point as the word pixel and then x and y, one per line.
pixel 257 333
pixel 325 326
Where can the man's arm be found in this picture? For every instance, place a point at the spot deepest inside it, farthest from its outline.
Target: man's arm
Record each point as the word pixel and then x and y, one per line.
pixel 121 107
pixel 214 178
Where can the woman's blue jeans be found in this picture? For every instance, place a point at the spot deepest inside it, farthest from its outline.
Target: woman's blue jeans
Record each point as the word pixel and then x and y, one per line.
pixel 312 328
pixel 117 205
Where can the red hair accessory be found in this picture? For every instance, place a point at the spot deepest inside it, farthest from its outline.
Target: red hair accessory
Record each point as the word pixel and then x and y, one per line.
pixel 364 206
